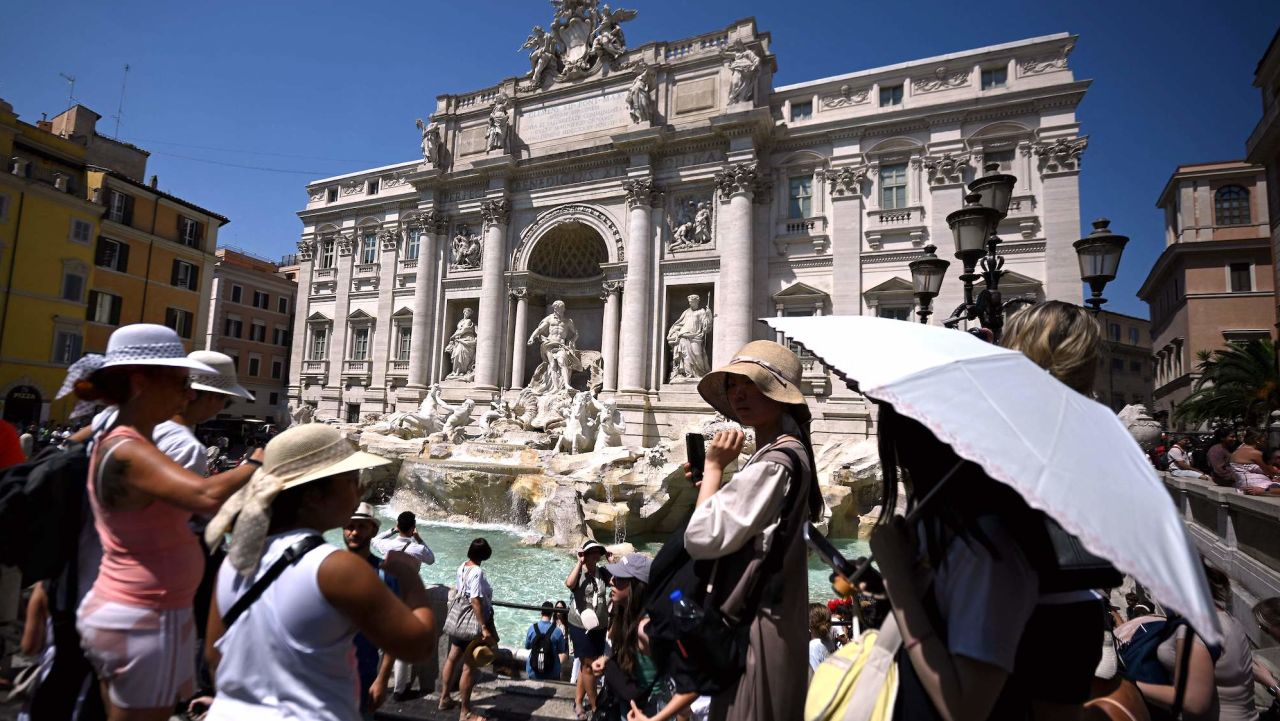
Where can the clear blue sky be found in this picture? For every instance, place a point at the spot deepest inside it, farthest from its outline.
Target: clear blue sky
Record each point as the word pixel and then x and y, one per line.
pixel 323 88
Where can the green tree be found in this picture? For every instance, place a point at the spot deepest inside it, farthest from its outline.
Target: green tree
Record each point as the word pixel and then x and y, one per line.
pixel 1237 384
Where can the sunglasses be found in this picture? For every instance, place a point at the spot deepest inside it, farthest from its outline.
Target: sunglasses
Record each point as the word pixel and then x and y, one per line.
pixel 620 582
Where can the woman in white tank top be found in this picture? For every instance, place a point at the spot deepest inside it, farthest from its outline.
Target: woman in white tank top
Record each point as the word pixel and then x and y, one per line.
pixel 289 654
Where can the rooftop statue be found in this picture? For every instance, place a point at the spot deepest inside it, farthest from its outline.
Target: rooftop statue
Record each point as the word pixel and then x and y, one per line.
pixel 430 143
pixel 743 68
pixel 583 36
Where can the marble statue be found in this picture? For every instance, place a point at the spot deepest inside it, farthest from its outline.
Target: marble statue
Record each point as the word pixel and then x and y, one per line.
pixel 542 54
pixel 499 124
pixel 557 337
pixel 1144 429
pixel 466 250
pixel 578 425
pixel 453 429
pixel 582 37
pixel 691 226
pixel 688 340
pixel 300 413
pixel 608 39
pixel 640 96
pixel 430 143
pixel 608 424
pixel 702 224
pixel 743 68
pixel 462 348
pixel 428 419
pixel 499 410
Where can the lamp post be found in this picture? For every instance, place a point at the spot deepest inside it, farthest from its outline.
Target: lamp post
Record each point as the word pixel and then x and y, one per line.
pixel 1099 256
pixel 926 280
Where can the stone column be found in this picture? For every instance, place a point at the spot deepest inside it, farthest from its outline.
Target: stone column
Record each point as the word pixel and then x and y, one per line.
pixel 609 344
pixel 1060 218
pixel 845 186
pixel 519 336
pixel 346 247
pixel 432 224
pixel 734 311
pixel 384 330
pixel 636 312
pixel 493 297
pixel 301 309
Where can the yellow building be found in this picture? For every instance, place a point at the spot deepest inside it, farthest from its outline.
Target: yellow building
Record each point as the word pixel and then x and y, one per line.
pixel 47 232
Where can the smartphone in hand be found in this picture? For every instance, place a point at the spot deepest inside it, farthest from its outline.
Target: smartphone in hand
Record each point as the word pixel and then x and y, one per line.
pixel 828 552
pixel 695 448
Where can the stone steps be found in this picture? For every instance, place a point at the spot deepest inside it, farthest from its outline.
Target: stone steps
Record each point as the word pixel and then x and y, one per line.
pixel 497 698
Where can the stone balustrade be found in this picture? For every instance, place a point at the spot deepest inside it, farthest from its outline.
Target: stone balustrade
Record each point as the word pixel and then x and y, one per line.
pixel 1238 534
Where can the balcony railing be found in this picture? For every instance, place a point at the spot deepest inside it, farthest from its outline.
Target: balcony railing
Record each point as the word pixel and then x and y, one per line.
pixel 326 273
pixel 367 269
pixel 315 367
pixel 356 368
pixel 398 368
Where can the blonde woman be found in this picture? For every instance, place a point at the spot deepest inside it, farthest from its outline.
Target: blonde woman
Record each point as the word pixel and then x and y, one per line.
pixel 1062 338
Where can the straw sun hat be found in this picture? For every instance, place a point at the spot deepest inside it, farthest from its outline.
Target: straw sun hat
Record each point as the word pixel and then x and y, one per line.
pixel 301 454
pixel 773 369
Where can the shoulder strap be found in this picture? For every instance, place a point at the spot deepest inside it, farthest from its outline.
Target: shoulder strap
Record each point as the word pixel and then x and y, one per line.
pixel 290 556
pixel 772 562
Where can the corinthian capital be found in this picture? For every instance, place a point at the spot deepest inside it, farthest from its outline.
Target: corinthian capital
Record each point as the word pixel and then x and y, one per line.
pixel 306 250
pixel 640 192
pixel 495 212
pixel 737 178
pixel 434 221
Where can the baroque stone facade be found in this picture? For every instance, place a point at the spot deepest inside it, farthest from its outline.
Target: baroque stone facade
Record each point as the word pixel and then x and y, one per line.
pixel 805 199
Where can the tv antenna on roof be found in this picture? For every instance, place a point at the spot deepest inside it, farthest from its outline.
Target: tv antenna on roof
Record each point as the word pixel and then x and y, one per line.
pixel 120 109
pixel 71 92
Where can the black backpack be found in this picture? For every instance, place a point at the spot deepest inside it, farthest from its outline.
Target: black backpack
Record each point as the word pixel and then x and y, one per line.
pixel 542 656
pixel 42 504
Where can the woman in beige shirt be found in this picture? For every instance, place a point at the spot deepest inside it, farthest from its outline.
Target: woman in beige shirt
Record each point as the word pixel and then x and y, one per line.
pixel 736 522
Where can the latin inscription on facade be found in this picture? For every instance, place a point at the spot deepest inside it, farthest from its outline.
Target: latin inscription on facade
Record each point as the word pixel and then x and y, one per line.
pixel 601 112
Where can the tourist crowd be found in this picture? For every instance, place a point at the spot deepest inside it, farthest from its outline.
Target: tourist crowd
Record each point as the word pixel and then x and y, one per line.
pixel 214 592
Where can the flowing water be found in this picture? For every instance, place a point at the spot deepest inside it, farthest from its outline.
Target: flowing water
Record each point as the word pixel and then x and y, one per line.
pixel 530 574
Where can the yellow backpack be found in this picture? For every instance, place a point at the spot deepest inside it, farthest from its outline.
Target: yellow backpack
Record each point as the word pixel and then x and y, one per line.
pixel 859 682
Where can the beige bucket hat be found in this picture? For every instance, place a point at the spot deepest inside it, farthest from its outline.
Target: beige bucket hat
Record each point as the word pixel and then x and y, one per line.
pixel 301 454
pixel 773 368
pixel 223 380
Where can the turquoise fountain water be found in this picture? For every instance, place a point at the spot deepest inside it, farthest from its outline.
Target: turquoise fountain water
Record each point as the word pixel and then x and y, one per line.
pixel 530 574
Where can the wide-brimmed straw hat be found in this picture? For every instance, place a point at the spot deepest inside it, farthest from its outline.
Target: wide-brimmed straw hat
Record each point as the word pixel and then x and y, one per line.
pixel 478 654
pixel 223 379
pixel 148 344
pixel 773 369
pixel 298 455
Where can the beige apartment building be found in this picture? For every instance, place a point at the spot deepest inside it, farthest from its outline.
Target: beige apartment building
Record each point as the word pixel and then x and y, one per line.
pixel 1215 281
pixel 1263 145
pixel 1125 372
pixel 250 319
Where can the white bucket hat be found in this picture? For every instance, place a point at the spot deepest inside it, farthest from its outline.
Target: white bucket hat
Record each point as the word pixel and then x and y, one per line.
pixel 298 455
pixel 148 344
pixel 223 380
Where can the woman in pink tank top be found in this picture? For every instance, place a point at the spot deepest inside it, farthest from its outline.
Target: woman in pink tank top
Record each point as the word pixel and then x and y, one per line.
pixel 135 624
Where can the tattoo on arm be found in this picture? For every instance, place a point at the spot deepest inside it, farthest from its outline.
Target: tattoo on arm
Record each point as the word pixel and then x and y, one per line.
pixel 111 482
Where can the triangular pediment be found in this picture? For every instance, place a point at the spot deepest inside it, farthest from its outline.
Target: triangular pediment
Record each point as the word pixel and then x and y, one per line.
pixel 318 317
pixel 1011 279
pixel 359 315
pixel 798 290
pixel 893 285
pixel 403 313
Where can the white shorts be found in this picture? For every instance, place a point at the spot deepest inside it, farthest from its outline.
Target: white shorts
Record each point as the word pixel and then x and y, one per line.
pixel 146 656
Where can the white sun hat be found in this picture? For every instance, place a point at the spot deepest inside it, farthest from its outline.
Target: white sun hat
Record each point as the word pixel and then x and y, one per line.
pixel 223 380
pixel 148 344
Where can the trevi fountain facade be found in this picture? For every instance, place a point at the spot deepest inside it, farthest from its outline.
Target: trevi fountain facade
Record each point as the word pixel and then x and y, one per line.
pixel 520 313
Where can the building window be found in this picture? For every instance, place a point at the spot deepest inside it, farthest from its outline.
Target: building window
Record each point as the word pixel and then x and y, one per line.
pixel 104 308
pixel 1135 366
pixel 405 345
pixel 275 399
pixel 185 275
pixel 326 254
pixel 280 337
pixel 890 96
pixel 261 300
pixel 112 254
pixel 373 187
pixel 331 195
pixel 369 249
pixel 190 232
pixel 411 245
pixel 233 328
pixel 1231 205
pixel 277 370
pixel 360 343
pixel 893 186
pixel 1133 336
pixel 258 332
pixel 1003 157
pixel 72 285
pixel 237 294
pixel 1241 277
pixel 282 304
pixel 319 344
pixel 255 365
pixel 896 312
pixel 995 77
pixel 81 231
pixel 120 208
pixel 179 320
pixel 800 197
pixel 802 111
pixel 66 346
pixel 1113 331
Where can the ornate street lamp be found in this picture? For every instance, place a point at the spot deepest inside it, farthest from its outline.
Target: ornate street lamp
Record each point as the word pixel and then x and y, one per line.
pixel 1099 256
pixel 926 280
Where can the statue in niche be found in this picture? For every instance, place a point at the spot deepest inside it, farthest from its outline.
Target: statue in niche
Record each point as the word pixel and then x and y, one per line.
pixel 430 143
pixel 499 123
pixel 743 68
pixel 462 348
pixel 558 338
pixel 466 250
pixel 691 227
pixel 640 96
pixel 688 340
